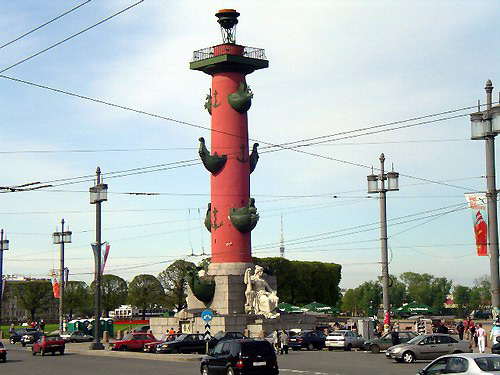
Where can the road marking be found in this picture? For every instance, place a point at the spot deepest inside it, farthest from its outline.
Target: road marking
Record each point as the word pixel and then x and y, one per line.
pixel 305 372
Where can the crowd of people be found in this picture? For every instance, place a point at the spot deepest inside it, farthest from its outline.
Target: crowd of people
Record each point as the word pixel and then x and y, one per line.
pixel 476 335
pixel 280 342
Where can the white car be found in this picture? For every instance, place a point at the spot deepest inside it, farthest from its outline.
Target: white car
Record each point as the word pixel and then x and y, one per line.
pixel 464 364
pixel 344 340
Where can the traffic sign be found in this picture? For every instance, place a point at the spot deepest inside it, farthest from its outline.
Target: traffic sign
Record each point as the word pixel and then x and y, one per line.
pixel 207 315
pixel 207 336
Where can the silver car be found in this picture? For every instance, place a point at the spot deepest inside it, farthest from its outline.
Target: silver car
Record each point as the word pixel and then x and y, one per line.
pixel 344 339
pixel 427 347
pixel 466 364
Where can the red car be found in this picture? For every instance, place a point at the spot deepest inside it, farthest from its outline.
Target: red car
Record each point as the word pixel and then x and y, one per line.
pixel 3 353
pixel 151 346
pixel 48 344
pixel 133 341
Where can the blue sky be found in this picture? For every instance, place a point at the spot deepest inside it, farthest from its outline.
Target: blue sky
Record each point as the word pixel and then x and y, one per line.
pixel 334 66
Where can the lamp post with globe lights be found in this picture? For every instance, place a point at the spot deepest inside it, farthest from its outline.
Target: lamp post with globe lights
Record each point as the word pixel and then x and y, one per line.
pixel 376 184
pixel 60 238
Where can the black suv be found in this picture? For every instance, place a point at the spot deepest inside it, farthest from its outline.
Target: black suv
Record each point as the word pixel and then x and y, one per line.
pixel 240 357
pixel 31 337
pixel 18 334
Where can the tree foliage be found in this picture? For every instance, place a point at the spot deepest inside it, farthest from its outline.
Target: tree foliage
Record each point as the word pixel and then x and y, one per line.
pixel 35 295
pixel 466 299
pixel 174 281
pixel 113 292
pixel 301 282
pixel 425 288
pixel 145 291
pixel 364 299
pixel 77 299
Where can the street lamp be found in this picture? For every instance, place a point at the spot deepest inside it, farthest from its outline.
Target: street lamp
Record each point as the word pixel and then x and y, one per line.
pixel 60 238
pixel 98 194
pixel 4 245
pixel 486 125
pixel 376 184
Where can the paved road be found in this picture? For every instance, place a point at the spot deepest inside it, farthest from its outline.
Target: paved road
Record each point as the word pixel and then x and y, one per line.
pixel 20 361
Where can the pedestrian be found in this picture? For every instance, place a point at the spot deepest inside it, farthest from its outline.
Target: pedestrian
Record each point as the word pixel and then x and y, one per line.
pixel 171 331
pixel 468 324
pixel 495 332
pixel 481 338
pixel 460 330
pixel 441 328
pixel 395 336
pixel 42 325
pixel 283 342
pixel 473 335
pixel 276 341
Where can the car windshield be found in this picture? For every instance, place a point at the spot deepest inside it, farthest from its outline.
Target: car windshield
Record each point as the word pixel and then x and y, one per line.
pixel 220 335
pixel 253 348
pixel 181 337
pixel 415 340
pixel 53 338
pixel 128 336
pixel 488 363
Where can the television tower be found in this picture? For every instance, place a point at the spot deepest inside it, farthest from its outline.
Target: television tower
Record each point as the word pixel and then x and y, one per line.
pixel 282 240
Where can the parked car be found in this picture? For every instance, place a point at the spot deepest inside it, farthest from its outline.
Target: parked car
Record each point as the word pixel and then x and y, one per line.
pixel 427 347
pixel 243 356
pixel 76 336
pixel 185 343
pixel 48 344
pixel 132 341
pixel 344 339
pixel 18 334
pixel 141 329
pixel 307 339
pixel 222 336
pixel 3 353
pixel 470 364
pixel 150 347
pixel 31 337
pixel 385 342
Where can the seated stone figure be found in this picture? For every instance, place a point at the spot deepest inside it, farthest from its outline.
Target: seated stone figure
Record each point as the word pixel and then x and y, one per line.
pixel 260 298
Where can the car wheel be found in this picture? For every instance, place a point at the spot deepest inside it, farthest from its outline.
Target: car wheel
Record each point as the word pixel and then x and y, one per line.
pixel 348 347
pixel 53 352
pixel 230 371
pixel 123 348
pixel 375 349
pixel 62 351
pixel 310 346
pixel 295 349
pixel 408 357
pixel 204 370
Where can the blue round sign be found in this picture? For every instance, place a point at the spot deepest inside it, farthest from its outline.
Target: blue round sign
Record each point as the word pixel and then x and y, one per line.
pixel 207 315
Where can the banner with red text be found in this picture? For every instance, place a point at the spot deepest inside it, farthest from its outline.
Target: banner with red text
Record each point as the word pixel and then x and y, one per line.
pixel 477 203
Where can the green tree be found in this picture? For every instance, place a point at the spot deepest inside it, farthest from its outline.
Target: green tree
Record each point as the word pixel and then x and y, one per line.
pixel 350 302
pixel 145 291
pixel 425 288
pixel 113 292
pixel 35 295
pixel 77 298
pixel 466 299
pixel 397 292
pixel 174 281
pixel 370 296
pixel 483 286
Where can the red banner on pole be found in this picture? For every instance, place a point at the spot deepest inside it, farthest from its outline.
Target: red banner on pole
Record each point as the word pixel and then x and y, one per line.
pixel 55 285
pixel 477 203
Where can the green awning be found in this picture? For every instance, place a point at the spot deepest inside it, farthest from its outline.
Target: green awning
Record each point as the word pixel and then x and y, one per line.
pixel 320 308
pixel 289 308
pixel 415 308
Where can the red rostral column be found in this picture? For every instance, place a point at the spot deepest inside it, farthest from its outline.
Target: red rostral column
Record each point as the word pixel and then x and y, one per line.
pixel 232 214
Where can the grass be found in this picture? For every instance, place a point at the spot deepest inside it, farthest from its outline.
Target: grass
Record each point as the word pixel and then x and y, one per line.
pixel 5 329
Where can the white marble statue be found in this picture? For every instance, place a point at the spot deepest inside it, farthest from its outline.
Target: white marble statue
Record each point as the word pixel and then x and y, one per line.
pixel 260 298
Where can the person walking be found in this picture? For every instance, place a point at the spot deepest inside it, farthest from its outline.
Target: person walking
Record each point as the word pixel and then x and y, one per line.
pixel 468 324
pixel 283 342
pixel 395 336
pixel 460 330
pixel 481 338
pixel 276 342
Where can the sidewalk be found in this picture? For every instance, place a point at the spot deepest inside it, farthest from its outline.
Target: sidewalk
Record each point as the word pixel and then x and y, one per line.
pixel 83 349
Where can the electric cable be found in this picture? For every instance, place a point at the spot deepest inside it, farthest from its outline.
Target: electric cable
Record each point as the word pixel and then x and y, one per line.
pixel 44 24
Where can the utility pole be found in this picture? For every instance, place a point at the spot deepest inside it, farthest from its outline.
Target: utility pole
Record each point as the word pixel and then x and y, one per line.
pixel 60 238
pixel 4 245
pixel 486 125
pixel 376 184
pixel 98 194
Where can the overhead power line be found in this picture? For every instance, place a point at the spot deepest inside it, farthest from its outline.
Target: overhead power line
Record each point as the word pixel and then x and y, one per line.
pixel 45 24
pixel 70 37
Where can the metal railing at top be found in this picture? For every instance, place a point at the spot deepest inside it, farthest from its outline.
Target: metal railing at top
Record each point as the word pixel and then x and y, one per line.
pixel 250 52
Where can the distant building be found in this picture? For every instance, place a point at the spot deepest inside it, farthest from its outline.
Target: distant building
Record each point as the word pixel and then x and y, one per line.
pixel 12 311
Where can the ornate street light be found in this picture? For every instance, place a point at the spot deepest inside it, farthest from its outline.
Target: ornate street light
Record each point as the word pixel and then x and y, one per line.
pixel 60 238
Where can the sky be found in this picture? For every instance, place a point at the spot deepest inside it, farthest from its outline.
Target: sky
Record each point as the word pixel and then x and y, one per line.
pixel 334 66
